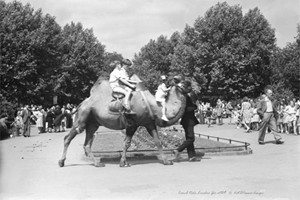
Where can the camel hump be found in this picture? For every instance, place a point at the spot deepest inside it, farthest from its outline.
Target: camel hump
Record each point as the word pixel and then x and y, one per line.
pixel 101 86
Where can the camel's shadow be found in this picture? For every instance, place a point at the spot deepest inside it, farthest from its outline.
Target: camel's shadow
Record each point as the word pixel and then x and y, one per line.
pixel 133 161
pixel 148 160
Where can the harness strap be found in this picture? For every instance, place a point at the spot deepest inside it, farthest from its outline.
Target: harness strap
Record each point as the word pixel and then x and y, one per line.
pixel 148 105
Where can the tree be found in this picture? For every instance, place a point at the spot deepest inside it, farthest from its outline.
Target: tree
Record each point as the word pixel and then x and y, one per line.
pixel 153 61
pixel 259 46
pixel 29 52
pixel 83 61
pixel 228 54
pixel 40 60
pixel 286 66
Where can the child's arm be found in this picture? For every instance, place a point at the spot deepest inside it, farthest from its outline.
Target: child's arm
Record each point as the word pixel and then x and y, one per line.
pixel 164 87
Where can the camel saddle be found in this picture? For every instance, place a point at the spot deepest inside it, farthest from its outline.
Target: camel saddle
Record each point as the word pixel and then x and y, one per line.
pixel 116 105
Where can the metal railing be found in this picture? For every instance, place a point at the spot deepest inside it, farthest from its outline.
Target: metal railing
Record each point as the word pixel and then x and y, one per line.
pixel 244 145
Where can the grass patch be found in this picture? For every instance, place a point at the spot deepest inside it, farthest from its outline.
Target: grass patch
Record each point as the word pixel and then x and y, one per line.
pixel 171 139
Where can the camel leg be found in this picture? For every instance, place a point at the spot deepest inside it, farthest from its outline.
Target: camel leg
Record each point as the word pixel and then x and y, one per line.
pixel 153 132
pixel 126 144
pixel 79 126
pixel 67 140
pixel 85 144
pixel 90 130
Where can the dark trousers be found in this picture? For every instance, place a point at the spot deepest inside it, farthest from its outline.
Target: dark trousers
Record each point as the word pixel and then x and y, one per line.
pixel 27 128
pixel 201 118
pixel 189 142
pixel 268 121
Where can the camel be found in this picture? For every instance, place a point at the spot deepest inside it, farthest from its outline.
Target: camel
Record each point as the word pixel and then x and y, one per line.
pixel 95 111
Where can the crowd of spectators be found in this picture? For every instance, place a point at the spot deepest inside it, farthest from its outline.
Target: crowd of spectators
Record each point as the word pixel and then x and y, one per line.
pixel 244 114
pixel 47 119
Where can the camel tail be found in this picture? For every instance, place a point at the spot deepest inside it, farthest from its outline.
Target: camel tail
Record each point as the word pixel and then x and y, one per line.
pixel 59 118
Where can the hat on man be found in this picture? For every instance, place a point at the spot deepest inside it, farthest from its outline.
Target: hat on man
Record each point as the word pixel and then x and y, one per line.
pixel 177 79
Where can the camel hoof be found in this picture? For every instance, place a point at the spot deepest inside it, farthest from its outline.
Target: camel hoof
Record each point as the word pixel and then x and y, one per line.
pixel 61 163
pixel 167 162
pixel 125 164
pixel 99 164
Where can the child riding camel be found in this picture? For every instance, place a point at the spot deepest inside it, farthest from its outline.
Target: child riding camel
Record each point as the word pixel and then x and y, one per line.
pixel 120 83
pixel 160 96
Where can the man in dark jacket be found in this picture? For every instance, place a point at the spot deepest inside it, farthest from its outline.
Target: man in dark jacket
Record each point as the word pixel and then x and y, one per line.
pixel 57 119
pixel 188 121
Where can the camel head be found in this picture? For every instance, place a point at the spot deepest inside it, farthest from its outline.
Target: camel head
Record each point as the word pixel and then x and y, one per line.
pixel 175 103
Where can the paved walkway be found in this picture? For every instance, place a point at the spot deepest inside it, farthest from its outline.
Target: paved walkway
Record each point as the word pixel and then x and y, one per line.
pixel 29 170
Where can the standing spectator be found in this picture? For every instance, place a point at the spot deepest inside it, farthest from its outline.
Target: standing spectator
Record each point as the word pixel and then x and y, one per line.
pixel 44 120
pixel 26 116
pixel 18 123
pixel 219 108
pixel 214 115
pixel 200 112
pixel 255 118
pixel 236 117
pixel 69 117
pixel 50 119
pixel 208 116
pixel 267 111
pixel 280 117
pixel 63 121
pixel 252 103
pixel 3 127
pixel 285 120
pixel 188 121
pixel 298 117
pixel 246 113
pixel 34 110
pixel 57 120
pixel 291 111
pixel 74 114
pixel 224 114
pixel 40 118
pixel 229 110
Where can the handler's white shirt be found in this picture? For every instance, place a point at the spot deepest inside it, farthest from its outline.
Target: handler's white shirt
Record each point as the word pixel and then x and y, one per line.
pixel 116 75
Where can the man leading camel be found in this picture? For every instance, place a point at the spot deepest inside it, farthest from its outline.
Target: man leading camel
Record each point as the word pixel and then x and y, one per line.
pixel 188 121
pixel 120 83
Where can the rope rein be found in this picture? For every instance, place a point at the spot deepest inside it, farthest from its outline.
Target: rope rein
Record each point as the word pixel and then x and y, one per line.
pixel 148 105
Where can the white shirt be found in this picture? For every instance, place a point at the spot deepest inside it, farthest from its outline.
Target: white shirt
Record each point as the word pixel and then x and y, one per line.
pixel 116 75
pixel 269 105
